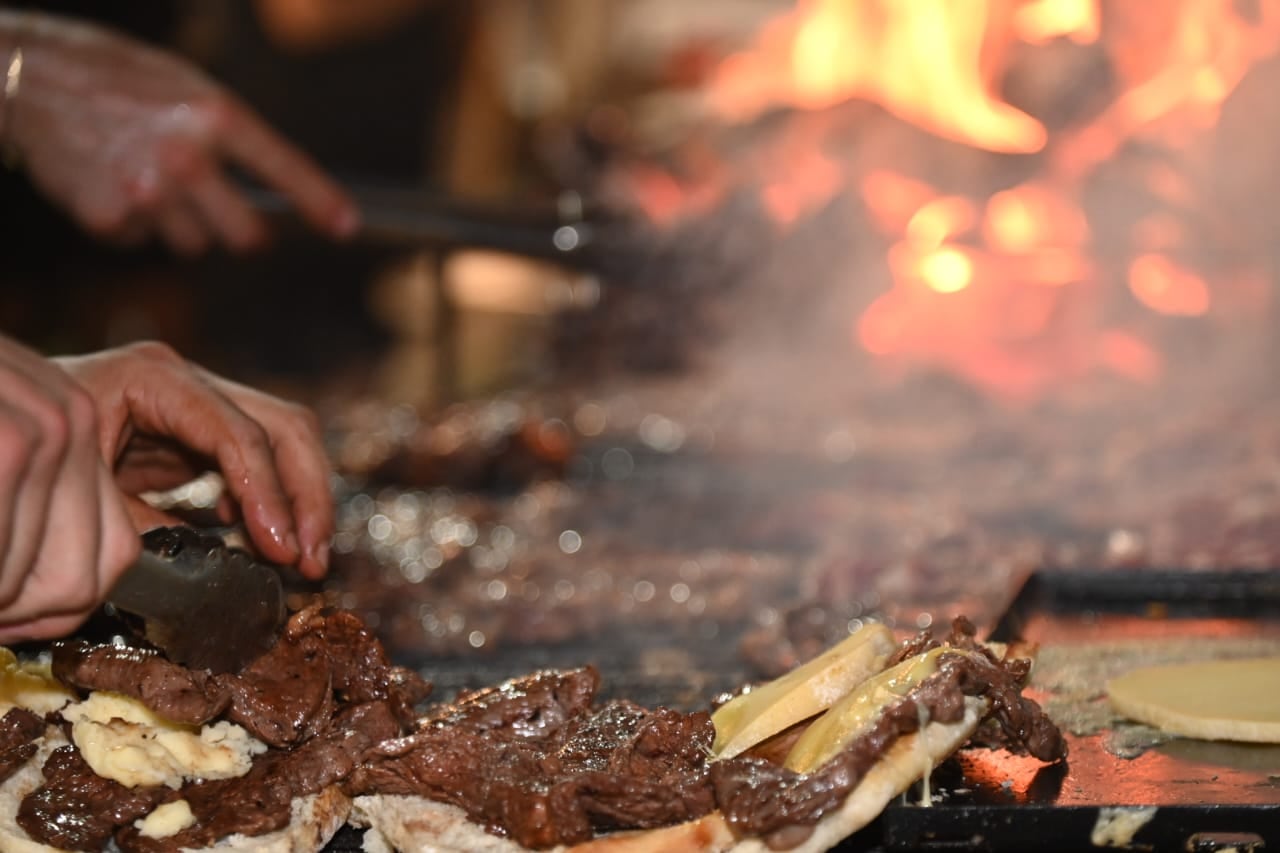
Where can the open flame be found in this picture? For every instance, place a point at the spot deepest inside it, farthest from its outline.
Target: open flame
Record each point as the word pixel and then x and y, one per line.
pixel 924 61
pixel 1012 285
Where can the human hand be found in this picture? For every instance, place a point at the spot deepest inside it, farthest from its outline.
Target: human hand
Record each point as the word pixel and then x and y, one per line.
pixel 163 420
pixel 133 142
pixel 65 536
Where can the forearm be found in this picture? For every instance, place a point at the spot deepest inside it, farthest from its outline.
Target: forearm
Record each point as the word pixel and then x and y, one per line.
pixel 11 62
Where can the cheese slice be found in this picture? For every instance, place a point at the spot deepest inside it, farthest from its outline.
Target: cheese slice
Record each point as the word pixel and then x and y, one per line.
pixel 810 689
pixel 858 711
pixel 1212 700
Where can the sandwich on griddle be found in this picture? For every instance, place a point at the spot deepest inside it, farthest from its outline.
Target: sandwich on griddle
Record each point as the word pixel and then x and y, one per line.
pixel 800 763
pixel 111 745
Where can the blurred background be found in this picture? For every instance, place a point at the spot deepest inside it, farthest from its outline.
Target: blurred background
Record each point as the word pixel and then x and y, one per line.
pixel 746 318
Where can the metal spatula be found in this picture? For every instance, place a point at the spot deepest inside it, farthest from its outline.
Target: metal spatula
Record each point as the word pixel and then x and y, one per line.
pixel 205 605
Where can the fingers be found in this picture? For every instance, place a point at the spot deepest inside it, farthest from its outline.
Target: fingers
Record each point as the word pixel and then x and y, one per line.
pixel 175 403
pixel 183 228
pixel 66 578
pixel 65 535
pixel 201 205
pixel 236 223
pixel 34 434
pixel 180 191
pixel 52 606
pixel 153 466
pixel 43 628
pixel 254 145
pixel 113 131
pixel 267 450
pixel 24 495
pixel 302 465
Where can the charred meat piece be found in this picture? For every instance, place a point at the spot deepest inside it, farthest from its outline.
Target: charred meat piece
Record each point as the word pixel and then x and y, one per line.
pixel 76 809
pixel 183 695
pixel 19 729
pixel 323 697
pixel 532 759
pixel 283 697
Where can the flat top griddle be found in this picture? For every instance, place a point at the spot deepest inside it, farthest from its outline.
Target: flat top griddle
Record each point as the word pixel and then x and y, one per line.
pixel 1178 794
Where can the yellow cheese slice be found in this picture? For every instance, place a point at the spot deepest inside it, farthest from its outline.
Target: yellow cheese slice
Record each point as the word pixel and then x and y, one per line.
pixel 810 689
pixel 1212 700
pixel 858 711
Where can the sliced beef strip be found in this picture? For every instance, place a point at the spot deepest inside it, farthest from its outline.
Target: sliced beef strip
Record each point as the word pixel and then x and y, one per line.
pixel 183 695
pixel 284 697
pixel 479 751
pixel 324 658
pixel 529 706
pixel 358 662
pixel 533 760
pixel 19 730
pixel 76 809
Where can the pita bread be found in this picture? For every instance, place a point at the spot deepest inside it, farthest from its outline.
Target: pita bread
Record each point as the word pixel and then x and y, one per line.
pixel 417 825
pixel 1212 700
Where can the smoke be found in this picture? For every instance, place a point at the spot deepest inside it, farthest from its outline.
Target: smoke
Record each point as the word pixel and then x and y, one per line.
pixel 1096 421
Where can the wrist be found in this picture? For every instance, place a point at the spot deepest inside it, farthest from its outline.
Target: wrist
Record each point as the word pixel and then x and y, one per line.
pixel 12 60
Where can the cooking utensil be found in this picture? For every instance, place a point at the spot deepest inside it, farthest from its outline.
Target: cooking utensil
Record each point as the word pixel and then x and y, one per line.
pixel 205 605
pixel 399 217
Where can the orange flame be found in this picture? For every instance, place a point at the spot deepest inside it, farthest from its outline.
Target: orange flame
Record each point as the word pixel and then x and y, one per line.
pixel 1163 286
pixel 1041 21
pixel 922 60
pixel 1005 286
pixel 975 288
pixel 1179 64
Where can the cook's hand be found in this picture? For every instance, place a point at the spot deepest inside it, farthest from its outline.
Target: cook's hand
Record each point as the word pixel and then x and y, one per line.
pixel 65 536
pixel 162 420
pixel 132 141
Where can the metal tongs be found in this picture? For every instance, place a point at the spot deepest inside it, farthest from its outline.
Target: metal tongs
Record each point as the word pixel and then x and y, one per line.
pixel 202 603
pixel 558 231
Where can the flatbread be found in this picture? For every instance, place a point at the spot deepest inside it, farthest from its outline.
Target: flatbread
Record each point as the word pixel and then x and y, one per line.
pixel 418 825
pixel 1213 700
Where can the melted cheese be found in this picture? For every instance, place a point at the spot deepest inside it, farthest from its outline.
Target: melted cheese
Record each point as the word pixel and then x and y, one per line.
pixel 122 739
pixel 926 760
pixel 1116 825
pixel 167 819
pixel 29 684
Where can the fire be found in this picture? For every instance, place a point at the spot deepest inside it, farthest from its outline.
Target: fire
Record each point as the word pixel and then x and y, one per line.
pixel 1041 21
pixel 1165 287
pixel 976 288
pixel 946 270
pixel 1174 72
pixel 1015 276
pixel 1033 216
pixel 923 60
